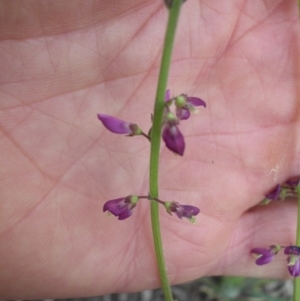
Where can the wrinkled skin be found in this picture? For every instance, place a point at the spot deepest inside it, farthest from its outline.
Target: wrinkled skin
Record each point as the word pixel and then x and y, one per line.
pixel 62 62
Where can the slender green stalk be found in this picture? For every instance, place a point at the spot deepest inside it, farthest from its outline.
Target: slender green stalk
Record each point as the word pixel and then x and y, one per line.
pixel 296 296
pixel 155 143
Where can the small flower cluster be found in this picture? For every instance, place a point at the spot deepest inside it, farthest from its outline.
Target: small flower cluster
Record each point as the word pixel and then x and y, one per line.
pixel 264 256
pixel 122 207
pixel 281 192
pixel 174 140
pixel 184 106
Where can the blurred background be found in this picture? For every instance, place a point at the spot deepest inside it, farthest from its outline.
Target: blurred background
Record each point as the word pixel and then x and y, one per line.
pixel 212 289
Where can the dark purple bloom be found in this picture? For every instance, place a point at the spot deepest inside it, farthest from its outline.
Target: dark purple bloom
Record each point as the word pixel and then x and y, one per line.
pixel 171 135
pixel 294 265
pixel 265 256
pixel 182 210
pixel 274 194
pixel 186 104
pixel 119 126
pixel 122 207
pixel 292 250
pixel 173 138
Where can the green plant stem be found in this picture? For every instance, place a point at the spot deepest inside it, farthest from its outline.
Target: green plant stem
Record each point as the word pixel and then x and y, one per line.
pixel 155 143
pixel 296 296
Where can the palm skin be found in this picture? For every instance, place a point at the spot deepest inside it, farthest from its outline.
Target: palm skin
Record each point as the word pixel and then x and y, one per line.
pixel 63 62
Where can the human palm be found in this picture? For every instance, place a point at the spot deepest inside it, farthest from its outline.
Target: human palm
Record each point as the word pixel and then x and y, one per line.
pixel 63 62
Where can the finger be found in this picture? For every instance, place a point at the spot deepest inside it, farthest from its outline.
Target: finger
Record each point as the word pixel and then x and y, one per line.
pixel 261 226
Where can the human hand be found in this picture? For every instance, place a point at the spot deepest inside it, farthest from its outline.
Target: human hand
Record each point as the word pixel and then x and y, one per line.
pixel 65 61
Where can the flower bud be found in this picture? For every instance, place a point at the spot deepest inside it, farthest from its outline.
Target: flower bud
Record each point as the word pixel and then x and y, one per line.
pixel 119 126
pixel 186 211
pixel 292 250
pixel 173 139
pixel 264 256
pixel 180 101
pixel 122 207
pixel 171 119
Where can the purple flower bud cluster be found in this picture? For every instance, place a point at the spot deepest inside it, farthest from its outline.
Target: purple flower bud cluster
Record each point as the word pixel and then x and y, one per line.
pixel 174 140
pixel 184 106
pixel 283 191
pixel 264 256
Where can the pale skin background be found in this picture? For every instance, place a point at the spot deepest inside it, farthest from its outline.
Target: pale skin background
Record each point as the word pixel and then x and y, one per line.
pixel 62 62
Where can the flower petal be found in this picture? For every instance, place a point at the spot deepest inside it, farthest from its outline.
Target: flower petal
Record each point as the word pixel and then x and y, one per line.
pixel 115 125
pixel 263 256
pixel 274 194
pixel 122 207
pixel 264 259
pixel 173 139
pixel 187 211
pixel 295 268
pixel 195 101
pixel 168 95
pixel 125 214
pixel 292 250
pixel 183 114
pixel 116 206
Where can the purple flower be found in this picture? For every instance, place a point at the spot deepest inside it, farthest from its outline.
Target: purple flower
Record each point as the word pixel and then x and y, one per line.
pixel 186 104
pixel 182 210
pixel 183 114
pixel 292 250
pixel 173 138
pixel 265 256
pixel 119 126
pixel 294 265
pixel 171 135
pixel 122 207
pixel 274 194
